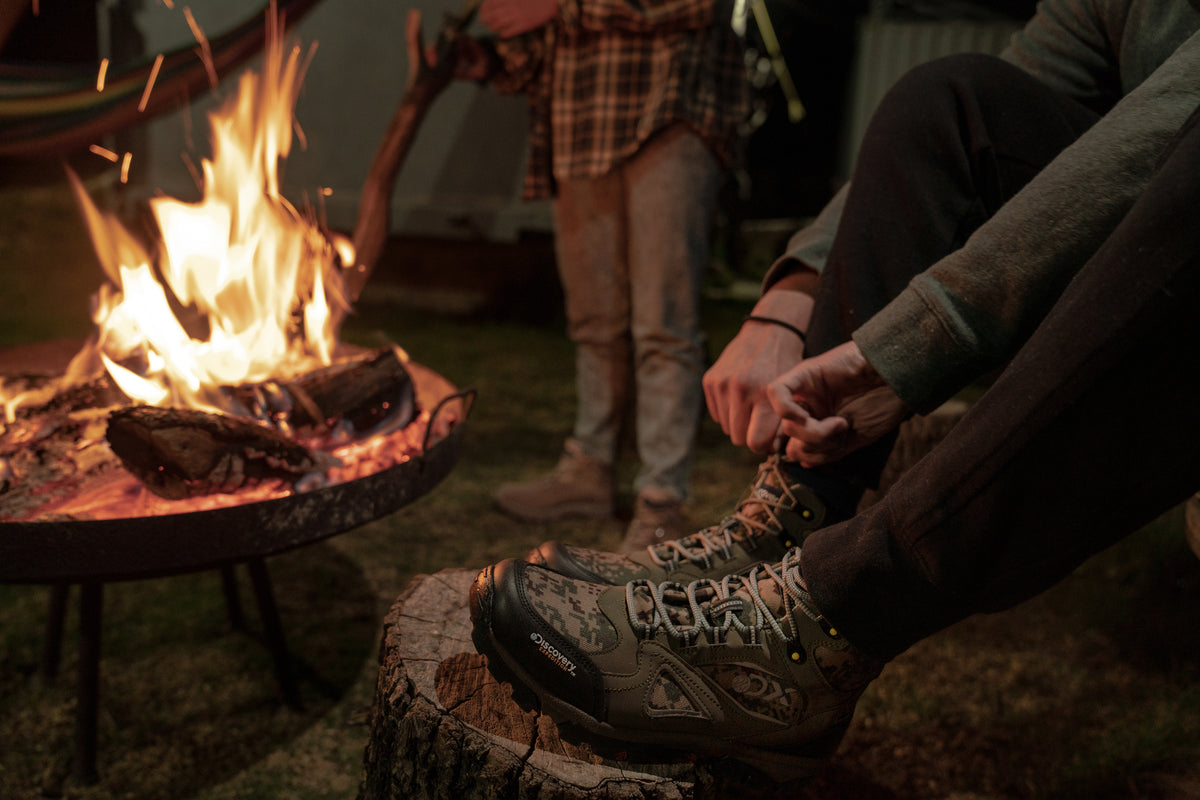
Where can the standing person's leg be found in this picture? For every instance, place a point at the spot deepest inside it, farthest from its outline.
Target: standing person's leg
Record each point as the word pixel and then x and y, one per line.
pixel 949 144
pixel 1091 432
pixel 671 186
pixel 590 245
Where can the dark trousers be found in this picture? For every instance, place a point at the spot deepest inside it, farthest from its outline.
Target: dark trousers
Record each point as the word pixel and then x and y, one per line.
pixel 949 144
pixel 1091 431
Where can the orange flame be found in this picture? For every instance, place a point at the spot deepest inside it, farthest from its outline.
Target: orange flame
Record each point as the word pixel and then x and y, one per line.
pixel 239 290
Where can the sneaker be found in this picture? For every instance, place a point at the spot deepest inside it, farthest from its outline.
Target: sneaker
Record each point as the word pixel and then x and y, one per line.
pixel 655 520
pixel 777 513
pixel 744 668
pixel 579 486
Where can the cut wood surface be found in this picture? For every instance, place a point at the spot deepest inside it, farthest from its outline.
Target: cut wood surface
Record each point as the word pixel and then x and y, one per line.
pixel 443 727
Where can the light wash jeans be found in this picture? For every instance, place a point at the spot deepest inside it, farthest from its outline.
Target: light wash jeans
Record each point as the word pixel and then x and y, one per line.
pixel 633 247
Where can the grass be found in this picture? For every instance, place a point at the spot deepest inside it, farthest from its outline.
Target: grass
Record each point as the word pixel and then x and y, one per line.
pixel 1088 691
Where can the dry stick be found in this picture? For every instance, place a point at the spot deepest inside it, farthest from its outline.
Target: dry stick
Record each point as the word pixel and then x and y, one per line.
pixel 426 81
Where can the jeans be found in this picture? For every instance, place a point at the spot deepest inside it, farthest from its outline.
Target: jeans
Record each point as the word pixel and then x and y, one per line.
pixel 1090 432
pixel 633 246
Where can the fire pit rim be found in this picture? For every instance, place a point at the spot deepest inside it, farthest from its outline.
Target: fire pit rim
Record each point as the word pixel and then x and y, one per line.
pixel 133 548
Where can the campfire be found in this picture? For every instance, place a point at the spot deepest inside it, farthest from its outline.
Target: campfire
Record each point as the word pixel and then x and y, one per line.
pixel 214 375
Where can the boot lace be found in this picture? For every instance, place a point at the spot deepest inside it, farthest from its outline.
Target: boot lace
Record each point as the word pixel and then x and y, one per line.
pixel 713 608
pixel 718 540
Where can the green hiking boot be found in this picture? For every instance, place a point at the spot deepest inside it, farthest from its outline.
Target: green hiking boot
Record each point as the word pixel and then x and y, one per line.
pixel 744 668
pixel 775 514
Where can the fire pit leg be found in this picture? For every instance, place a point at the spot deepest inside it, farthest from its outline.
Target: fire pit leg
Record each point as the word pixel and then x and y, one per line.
pixel 233 601
pixel 90 610
pixel 52 641
pixel 273 632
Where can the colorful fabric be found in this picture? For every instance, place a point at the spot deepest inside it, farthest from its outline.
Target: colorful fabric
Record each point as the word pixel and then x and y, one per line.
pixel 53 109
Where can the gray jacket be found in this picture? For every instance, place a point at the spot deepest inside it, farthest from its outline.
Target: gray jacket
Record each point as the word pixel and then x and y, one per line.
pixel 1136 61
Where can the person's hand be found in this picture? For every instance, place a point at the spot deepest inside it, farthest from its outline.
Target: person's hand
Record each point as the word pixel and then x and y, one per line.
pixel 514 17
pixel 472 61
pixel 461 57
pixel 735 387
pixel 832 404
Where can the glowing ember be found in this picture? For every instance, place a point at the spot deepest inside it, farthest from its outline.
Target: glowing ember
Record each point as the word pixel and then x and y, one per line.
pixel 239 290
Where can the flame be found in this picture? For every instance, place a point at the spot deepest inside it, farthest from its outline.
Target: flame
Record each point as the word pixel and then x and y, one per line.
pixel 238 288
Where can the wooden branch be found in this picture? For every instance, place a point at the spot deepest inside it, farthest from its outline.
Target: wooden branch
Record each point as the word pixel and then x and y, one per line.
pixel 427 78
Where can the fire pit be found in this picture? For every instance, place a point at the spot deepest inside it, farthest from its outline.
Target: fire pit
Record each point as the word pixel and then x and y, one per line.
pixel 210 336
pixel 92 552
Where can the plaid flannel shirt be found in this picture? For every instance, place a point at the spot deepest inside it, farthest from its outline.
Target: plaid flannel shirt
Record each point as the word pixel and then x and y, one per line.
pixel 606 75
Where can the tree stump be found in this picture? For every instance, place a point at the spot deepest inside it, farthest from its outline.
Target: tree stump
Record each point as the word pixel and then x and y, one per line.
pixel 443 727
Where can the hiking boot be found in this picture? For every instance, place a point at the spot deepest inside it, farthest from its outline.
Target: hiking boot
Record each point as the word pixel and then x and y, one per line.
pixel 775 514
pixel 655 520
pixel 579 486
pixel 745 667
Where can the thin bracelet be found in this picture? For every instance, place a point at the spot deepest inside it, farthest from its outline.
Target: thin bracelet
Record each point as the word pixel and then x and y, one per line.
pixel 773 321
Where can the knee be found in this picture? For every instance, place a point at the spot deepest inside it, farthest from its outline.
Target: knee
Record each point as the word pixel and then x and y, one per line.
pixel 941 79
pixel 927 103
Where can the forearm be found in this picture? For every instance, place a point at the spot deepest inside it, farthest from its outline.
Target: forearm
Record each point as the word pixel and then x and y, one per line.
pixel 808 249
pixel 970 312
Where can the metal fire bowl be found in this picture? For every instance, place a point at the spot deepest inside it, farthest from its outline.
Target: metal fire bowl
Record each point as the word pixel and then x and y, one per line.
pixel 78 551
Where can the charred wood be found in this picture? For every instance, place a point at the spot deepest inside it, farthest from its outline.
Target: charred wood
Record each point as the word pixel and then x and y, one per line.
pixel 178 453
pixel 362 397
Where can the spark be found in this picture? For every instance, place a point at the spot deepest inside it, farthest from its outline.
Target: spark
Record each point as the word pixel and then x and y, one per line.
pixel 101 75
pixel 125 167
pixel 150 82
pixel 104 152
pixel 205 51
pixel 191 168
pixel 168 3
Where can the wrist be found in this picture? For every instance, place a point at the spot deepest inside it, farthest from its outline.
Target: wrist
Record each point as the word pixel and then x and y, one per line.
pixel 789 306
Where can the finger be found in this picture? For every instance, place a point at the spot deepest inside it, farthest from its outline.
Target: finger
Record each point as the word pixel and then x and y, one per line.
pixel 785 403
pixel 795 451
pixel 716 409
pixel 763 433
pixel 817 434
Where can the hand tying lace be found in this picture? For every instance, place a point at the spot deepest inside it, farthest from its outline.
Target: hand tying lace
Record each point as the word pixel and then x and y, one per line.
pixel 713 607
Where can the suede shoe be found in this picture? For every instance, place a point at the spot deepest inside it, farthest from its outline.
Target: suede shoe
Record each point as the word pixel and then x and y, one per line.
pixel 579 486
pixel 656 519
pixel 775 514
pixel 744 668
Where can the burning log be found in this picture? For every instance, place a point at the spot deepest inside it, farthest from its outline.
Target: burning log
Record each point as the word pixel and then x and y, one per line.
pixel 365 396
pixel 181 452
